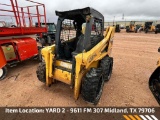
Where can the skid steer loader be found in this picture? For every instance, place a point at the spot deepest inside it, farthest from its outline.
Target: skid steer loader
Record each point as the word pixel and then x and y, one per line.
pixel 117 28
pixel 149 27
pixel 157 28
pixel 80 56
pixel 131 27
pixel 154 82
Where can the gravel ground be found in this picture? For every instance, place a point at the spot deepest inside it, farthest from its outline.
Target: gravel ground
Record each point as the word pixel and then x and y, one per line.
pixel 135 56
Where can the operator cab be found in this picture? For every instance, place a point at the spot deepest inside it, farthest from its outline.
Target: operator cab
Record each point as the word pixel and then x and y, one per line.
pixel 148 25
pixel 132 22
pixel 77 31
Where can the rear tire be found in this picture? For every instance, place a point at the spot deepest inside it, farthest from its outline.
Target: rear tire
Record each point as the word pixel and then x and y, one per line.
pixel 92 85
pixel 107 66
pixel 3 72
pixel 41 72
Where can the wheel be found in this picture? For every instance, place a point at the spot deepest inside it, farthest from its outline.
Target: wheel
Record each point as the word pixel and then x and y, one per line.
pixel 41 72
pixel 107 66
pixel 146 30
pixel 3 72
pixel 136 30
pixel 155 84
pixel 13 25
pixel 155 88
pixel 92 85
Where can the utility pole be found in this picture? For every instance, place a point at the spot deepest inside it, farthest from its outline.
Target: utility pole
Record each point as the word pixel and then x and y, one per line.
pixel 113 20
pixel 123 18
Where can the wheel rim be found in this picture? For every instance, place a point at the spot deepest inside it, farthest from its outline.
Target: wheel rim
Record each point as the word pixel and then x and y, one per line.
pixel 1 72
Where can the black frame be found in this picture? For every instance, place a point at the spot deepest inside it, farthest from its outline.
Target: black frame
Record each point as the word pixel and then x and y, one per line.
pixel 79 14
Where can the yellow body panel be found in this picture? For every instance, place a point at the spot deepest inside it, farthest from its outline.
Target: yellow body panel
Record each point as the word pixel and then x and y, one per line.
pixel 47 54
pixel 132 28
pixel 62 76
pixel 98 51
pixel 87 58
pixel 84 61
pixel 153 28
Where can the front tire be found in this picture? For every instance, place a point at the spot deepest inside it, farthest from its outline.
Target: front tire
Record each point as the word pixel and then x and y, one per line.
pixel 41 72
pixel 3 72
pixel 92 85
pixel 146 31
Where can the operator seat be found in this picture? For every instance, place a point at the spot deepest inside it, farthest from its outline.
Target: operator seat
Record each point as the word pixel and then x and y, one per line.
pixel 79 49
pixel 80 43
pixel 87 45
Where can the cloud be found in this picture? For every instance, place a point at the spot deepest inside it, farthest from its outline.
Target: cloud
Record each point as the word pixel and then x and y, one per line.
pixel 138 9
pixel 135 9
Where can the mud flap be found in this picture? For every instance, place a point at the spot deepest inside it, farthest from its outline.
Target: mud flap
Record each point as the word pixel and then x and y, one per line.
pixel 154 84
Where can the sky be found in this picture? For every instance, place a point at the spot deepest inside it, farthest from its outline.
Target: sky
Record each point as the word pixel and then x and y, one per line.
pixel 111 9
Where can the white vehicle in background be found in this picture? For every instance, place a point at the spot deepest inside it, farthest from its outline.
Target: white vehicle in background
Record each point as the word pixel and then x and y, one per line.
pixel 7 24
pixel 122 26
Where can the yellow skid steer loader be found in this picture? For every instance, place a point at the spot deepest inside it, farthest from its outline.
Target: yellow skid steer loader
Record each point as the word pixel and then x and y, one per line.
pixel 80 56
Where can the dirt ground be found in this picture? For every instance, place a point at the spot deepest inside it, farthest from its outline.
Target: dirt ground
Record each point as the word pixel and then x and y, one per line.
pixel 135 56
